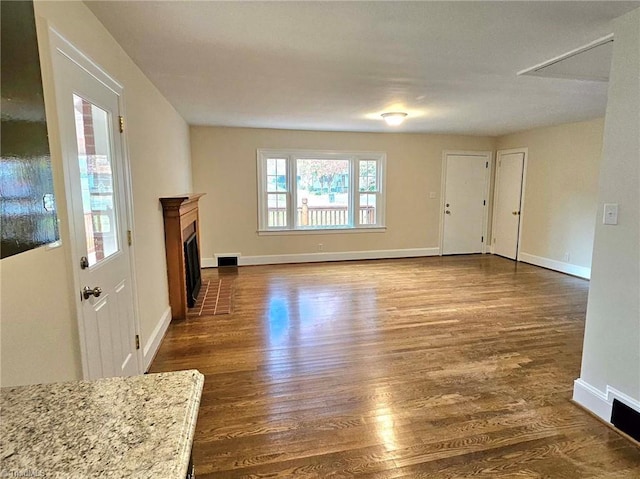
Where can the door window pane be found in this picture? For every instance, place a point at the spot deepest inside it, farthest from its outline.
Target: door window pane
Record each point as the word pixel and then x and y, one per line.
pixel 96 179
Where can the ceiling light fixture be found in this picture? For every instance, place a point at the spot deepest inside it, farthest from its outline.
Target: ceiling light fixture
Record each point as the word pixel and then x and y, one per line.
pixel 394 118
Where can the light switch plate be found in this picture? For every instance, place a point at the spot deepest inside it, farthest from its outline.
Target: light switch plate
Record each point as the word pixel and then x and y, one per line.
pixel 610 214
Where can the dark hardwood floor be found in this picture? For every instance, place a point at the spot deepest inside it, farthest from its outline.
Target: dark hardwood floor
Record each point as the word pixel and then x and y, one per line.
pixel 416 368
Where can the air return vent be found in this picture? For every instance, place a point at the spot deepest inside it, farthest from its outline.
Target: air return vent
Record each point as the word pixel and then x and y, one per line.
pixel 590 62
pixel 227 261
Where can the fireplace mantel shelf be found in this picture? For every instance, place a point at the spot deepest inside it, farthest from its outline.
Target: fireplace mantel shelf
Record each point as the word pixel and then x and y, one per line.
pixel 176 202
pixel 181 220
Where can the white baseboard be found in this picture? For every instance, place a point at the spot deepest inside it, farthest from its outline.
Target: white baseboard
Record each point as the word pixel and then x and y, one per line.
pixel 150 348
pixel 325 256
pixel 208 263
pixel 568 268
pixel 598 402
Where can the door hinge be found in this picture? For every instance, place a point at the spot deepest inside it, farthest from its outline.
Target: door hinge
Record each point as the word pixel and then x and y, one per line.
pixel 121 123
pixel 129 240
pixel 482 240
pixel 137 341
pixel 484 202
pixel 486 165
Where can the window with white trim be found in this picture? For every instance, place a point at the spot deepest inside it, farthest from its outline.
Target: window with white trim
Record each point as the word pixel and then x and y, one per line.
pixel 320 190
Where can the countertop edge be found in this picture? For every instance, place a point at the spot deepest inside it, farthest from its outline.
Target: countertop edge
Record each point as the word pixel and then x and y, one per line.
pixel 190 424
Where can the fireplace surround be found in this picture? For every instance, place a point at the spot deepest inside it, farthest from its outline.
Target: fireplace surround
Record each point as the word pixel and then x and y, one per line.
pixel 182 244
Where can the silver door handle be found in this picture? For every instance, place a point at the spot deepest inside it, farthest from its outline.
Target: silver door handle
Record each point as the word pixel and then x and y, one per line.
pixel 87 292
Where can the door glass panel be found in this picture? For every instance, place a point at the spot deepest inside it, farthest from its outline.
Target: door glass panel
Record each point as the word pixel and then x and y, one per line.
pixel 96 179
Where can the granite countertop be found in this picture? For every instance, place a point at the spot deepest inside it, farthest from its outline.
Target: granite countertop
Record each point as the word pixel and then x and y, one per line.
pixel 140 426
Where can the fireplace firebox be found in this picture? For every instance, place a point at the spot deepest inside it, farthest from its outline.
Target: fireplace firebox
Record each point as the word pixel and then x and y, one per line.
pixel 192 269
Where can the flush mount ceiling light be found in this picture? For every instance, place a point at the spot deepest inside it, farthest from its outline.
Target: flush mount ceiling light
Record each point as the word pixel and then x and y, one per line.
pixel 394 118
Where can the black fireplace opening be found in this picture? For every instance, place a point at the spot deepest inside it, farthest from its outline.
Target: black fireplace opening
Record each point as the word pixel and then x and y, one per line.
pixel 192 267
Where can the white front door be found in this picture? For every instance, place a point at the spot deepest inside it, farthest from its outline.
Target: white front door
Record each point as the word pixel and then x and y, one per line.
pixel 94 172
pixel 465 202
pixel 507 209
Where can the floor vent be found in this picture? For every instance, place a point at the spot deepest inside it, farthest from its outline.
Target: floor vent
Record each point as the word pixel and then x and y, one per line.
pixel 626 419
pixel 227 261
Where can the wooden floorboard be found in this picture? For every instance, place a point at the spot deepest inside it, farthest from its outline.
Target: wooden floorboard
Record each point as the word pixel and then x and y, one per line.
pixel 413 368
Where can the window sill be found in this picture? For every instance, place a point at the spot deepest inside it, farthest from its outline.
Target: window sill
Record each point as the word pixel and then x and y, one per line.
pixel 327 231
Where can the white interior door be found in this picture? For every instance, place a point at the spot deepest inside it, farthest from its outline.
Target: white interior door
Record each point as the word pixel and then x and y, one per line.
pixel 465 194
pixel 94 173
pixel 507 200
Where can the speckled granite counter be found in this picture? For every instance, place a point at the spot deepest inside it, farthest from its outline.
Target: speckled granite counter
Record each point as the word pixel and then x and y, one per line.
pixel 139 427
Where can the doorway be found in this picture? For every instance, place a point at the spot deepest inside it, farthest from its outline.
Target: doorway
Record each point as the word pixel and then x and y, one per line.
pixel 466 177
pixel 508 202
pixel 96 184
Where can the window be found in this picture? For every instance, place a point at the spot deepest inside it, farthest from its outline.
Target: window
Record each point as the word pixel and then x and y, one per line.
pixel 308 190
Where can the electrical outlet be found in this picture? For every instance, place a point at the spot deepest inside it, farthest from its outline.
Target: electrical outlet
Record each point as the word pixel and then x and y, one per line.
pixel 567 257
pixel 320 247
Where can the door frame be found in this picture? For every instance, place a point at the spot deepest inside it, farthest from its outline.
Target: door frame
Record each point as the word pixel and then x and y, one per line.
pixel 499 154
pixel 488 156
pixel 58 45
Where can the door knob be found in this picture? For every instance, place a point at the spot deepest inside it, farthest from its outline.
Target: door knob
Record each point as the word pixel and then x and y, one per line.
pixel 448 212
pixel 87 292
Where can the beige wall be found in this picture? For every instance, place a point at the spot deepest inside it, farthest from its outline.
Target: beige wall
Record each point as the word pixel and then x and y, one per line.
pixel 224 167
pixel 39 339
pixel 561 189
pixel 611 354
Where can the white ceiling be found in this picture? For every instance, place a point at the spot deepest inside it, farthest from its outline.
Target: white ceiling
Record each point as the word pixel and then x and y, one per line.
pixel 338 65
